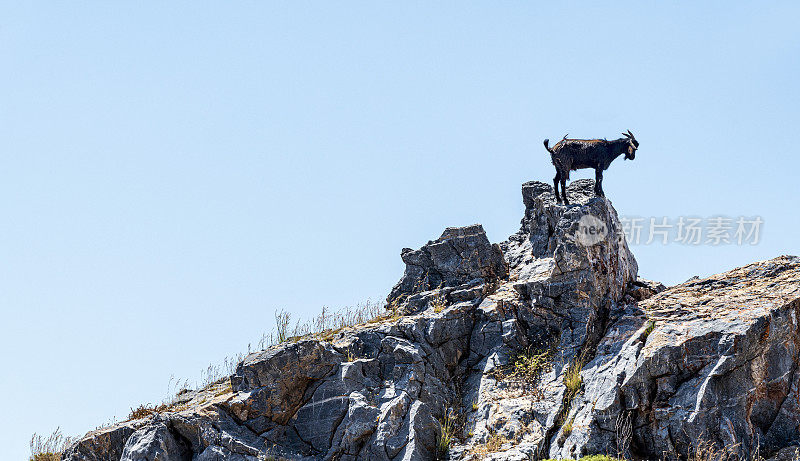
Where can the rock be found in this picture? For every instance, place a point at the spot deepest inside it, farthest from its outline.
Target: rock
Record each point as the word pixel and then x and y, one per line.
pixel 490 334
pixel 361 422
pixel 102 444
pixel 786 454
pixel 536 237
pixel 156 442
pixel 275 383
pixel 641 289
pixel 462 258
pixel 718 366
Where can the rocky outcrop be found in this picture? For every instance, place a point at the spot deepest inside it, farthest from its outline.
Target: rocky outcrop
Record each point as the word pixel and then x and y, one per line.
pixel 457 266
pixel 545 345
pixel 711 360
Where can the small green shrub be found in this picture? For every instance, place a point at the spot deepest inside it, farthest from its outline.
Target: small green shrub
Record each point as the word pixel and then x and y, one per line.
pixel 651 325
pixel 531 363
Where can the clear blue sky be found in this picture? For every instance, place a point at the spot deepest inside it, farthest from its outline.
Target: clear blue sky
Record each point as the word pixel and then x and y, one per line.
pixel 172 174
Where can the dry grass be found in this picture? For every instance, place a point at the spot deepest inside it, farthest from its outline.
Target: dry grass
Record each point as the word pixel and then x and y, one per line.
pixel 573 379
pixel 217 372
pixel 448 425
pixel 282 319
pixel 493 444
pixel 145 410
pixel 226 389
pixel 322 326
pixel 49 448
pixel 531 363
pixel 526 367
pixel 438 303
pixel 651 325
pixel 325 324
pixel 707 451
pixel 566 429
pixel 394 312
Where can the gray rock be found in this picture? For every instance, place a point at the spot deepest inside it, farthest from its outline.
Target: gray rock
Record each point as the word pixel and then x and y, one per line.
pixel 663 370
pixel 156 442
pixel 462 257
pixel 362 420
pixel 102 444
pixel 216 453
pixel 718 366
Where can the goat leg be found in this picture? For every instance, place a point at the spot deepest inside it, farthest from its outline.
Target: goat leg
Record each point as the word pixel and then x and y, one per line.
pixel 555 186
pixel 598 182
pixel 564 190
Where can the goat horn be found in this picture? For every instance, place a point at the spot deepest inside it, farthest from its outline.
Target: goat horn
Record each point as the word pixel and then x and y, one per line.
pixel 632 136
pixel 626 135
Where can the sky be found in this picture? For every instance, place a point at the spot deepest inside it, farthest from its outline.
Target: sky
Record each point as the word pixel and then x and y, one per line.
pixel 171 174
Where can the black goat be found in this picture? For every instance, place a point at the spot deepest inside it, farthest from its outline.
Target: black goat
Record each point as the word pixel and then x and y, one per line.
pixel 575 154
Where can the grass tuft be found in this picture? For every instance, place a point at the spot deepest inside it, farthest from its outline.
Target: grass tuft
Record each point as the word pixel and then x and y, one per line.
pixel 708 451
pixel 573 379
pixel 493 444
pixel 438 303
pixel 49 448
pixel 145 410
pixel 448 424
pixel 651 325
pixel 531 363
pixel 566 429
pixel 326 324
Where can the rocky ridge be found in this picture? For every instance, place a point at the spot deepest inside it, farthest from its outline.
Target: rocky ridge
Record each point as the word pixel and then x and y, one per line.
pixel 624 366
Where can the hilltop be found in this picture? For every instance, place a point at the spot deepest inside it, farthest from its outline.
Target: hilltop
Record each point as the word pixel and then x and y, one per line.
pixel 546 345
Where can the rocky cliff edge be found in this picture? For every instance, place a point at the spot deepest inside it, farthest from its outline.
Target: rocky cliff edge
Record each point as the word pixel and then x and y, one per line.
pixel 545 345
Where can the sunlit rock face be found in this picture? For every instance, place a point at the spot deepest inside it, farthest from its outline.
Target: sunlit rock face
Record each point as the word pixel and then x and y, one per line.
pixel 545 345
pixel 456 267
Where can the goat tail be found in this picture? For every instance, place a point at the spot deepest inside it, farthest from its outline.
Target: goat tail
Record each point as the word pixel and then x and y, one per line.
pixel 546 146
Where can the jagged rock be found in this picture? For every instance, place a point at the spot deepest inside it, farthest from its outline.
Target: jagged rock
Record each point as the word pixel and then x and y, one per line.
pixel 786 454
pixel 718 366
pixel 103 444
pixel 156 442
pixel 564 288
pixel 452 266
pixel 642 289
pixel 662 370
pixel 536 236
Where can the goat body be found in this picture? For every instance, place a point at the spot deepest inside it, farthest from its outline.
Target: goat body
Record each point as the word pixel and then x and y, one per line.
pixel 576 154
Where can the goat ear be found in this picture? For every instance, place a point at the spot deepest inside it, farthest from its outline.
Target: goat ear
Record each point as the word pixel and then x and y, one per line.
pixel 632 137
pixel 626 135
